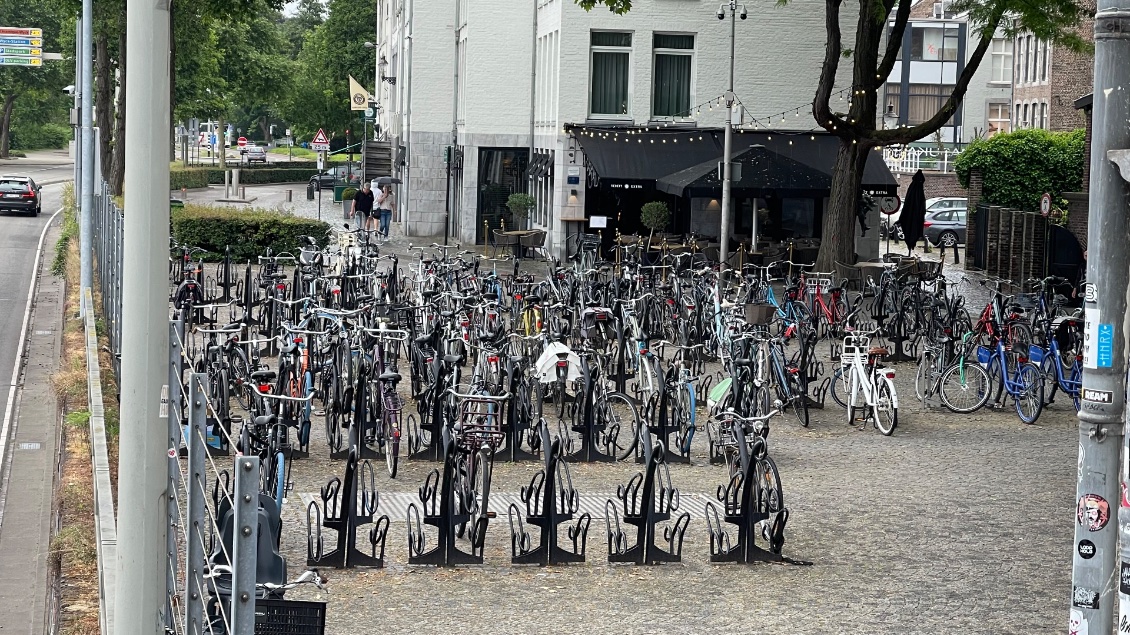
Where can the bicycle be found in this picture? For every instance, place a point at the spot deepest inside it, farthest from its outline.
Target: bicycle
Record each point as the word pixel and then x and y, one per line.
pixel 870 385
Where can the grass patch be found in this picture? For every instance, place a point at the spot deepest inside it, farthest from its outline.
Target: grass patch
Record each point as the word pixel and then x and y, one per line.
pixel 77 418
pixel 70 231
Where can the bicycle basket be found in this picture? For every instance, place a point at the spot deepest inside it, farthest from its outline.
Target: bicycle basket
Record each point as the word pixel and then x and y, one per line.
pixel 983 355
pixel 1036 354
pixel 853 354
pixel 759 313
pixel 289 617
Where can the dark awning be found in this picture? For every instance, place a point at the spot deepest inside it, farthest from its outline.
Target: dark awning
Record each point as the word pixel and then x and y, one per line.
pixel 762 171
pixel 616 156
pixel 818 150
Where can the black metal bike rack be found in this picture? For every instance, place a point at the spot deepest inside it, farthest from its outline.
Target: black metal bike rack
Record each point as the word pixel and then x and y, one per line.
pixel 646 500
pixel 662 429
pixel 590 433
pixel 550 501
pixel 746 506
pixel 431 449
pixel 225 282
pixel 438 499
pixel 346 506
pixel 359 423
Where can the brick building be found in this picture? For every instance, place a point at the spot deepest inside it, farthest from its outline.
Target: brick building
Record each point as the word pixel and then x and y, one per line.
pixel 1048 78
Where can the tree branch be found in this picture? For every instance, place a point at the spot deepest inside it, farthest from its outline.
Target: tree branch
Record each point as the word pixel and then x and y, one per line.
pixel 907 135
pixel 895 43
pixel 821 111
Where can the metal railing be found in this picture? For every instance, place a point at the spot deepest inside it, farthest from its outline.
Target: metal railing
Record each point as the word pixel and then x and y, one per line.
pixel 908 160
pixel 109 227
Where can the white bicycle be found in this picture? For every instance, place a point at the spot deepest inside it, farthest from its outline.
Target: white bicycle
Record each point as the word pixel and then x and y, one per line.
pixel 869 386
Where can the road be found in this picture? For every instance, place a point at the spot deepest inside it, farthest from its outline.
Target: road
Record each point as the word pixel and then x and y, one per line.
pixel 42 165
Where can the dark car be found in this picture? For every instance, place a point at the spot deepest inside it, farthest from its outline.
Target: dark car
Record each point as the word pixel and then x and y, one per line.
pixel 336 174
pixel 19 194
pixel 945 227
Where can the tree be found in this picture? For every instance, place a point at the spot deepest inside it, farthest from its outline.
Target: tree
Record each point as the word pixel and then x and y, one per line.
pixel 1017 168
pixel 872 57
pixel 52 76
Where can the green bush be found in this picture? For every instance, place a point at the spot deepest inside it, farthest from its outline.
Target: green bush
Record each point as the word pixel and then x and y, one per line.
pixel 1018 167
pixel 37 136
pixel 249 232
pixel 348 193
pixel 193 178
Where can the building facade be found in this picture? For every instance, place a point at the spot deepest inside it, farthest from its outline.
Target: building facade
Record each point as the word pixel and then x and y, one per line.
pixel 936 45
pixel 486 94
pixel 1049 77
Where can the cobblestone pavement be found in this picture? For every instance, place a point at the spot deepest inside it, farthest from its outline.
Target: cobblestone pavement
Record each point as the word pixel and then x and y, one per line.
pixel 955 524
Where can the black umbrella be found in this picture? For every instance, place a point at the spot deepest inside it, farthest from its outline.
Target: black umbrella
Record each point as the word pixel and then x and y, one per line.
pixel 914 211
pixel 387 180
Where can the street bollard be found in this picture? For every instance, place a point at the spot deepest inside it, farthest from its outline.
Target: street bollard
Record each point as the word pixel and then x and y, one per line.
pixel 289 196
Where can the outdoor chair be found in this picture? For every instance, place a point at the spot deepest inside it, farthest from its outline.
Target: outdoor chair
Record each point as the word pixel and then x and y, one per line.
pixel 503 242
pixel 849 277
pixel 535 242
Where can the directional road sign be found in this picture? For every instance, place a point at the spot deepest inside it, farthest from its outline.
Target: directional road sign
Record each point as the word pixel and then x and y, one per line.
pixel 21 41
pixel 20 31
pixel 20 51
pixel 21 61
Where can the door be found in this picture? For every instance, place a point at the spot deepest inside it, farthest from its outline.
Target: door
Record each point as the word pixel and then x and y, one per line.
pixel 502 172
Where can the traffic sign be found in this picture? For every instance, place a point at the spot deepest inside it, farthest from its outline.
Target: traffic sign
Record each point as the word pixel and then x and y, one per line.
pixel 21 51
pixel 890 204
pixel 1045 204
pixel 21 41
pixel 241 142
pixel 20 31
pixel 320 142
pixel 21 61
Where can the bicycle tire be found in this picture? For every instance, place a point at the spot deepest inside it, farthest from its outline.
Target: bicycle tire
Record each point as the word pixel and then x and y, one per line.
pixel 965 378
pixel 392 446
pixel 603 411
pixel 798 400
pixel 886 413
pixel 837 387
pixel 772 497
pixel 1029 397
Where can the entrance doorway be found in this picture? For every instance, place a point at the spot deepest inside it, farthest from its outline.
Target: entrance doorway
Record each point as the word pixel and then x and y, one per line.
pixel 502 172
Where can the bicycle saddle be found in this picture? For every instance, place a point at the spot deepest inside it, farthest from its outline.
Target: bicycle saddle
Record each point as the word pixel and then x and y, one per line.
pixel 263 375
pixel 452 359
pixel 446 314
pixel 263 420
pixel 743 362
pixel 425 339
pixel 389 377
pixel 532 299
pixel 429 294
pixel 878 350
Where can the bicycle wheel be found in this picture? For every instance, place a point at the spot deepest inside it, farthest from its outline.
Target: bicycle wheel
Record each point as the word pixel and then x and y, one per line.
pixel 682 412
pixel 1051 379
pixel 615 413
pixel 772 495
pixel 1029 396
pixel 921 377
pixel 886 408
pixel 391 435
pixel 965 387
pixel 838 388
pixel 798 400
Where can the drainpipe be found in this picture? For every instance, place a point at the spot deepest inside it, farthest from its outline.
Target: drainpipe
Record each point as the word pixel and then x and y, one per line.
pixel 454 127
pixel 406 63
pixel 533 85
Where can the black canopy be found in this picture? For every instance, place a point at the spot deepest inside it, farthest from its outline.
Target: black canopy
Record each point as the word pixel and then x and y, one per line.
pixel 762 171
pixel 645 155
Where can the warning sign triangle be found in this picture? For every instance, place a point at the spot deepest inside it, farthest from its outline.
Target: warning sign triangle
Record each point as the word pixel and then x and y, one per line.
pixel 320 137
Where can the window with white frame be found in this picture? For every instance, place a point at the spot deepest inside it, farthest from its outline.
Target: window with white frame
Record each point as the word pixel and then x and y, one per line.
pixel 1045 50
pixel 1000 118
pixel 1025 122
pixel 610 73
pixel 1002 60
pixel 1044 115
pixel 673 75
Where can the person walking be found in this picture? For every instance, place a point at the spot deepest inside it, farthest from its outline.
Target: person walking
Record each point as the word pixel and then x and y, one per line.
pixel 386 202
pixel 363 207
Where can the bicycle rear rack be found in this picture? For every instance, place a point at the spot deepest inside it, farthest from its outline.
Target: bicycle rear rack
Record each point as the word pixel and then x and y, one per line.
pixel 550 501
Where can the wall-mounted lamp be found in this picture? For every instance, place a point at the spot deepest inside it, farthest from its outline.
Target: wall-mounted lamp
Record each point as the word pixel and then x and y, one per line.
pixel 572 196
pixel 713 204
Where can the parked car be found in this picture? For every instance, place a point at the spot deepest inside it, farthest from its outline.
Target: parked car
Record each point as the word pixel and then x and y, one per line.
pixel 253 153
pixel 945 227
pixel 20 194
pixel 338 173
pixel 946 202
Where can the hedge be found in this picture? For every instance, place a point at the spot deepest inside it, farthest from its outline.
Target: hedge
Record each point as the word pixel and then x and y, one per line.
pixel 249 232
pixel 1018 167
pixel 194 178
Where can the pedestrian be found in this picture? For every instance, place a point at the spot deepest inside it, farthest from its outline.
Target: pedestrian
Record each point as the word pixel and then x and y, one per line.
pixel 386 202
pixel 363 206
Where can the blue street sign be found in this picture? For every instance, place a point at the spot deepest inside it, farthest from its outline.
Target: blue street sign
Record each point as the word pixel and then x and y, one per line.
pixel 21 41
pixel 1106 346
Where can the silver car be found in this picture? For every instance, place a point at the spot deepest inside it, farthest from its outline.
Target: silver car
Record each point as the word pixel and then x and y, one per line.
pixel 253 153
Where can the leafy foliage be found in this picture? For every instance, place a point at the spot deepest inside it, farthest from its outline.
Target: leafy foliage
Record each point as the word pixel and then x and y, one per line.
pixel 655 215
pixel 1018 167
pixel 248 231
pixel 520 204
pixel 194 178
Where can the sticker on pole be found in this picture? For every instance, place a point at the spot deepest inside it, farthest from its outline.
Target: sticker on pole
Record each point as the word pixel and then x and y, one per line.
pixel 320 142
pixel 1098 396
pixel 1090 293
pixel 1093 512
pixel 163 409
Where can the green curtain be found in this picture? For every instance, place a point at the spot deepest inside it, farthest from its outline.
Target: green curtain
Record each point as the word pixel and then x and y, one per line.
pixel 671 95
pixel 609 83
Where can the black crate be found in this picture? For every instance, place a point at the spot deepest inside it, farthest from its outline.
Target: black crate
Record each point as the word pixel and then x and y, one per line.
pixel 289 617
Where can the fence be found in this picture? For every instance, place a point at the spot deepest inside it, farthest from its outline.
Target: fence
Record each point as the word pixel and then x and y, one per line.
pixel 1007 243
pixel 908 160
pixel 109 227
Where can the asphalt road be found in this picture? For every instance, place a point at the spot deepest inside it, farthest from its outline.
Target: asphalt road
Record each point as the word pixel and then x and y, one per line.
pixel 19 237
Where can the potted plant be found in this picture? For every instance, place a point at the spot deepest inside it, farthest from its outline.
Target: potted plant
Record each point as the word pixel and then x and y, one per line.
pixel 347 200
pixel 654 216
pixel 520 205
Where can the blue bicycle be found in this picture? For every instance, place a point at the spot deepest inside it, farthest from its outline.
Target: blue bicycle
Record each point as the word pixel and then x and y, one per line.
pixel 1067 378
pixel 1012 373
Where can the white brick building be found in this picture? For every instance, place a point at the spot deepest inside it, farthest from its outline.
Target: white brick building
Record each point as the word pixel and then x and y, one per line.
pixel 501 80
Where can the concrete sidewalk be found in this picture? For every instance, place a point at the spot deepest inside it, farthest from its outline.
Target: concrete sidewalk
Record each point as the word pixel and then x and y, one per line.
pixel 28 489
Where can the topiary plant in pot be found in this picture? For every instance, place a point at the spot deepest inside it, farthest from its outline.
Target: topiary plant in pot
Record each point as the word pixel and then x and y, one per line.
pixel 654 216
pixel 520 205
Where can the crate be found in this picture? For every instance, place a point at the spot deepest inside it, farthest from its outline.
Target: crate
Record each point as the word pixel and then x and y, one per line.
pixel 289 617
pixel 759 313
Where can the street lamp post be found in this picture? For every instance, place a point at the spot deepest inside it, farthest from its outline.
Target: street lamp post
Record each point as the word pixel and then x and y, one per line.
pixel 724 240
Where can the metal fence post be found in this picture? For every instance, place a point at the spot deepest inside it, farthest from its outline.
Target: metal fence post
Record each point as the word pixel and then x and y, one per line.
pixel 246 503
pixel 172 398
pixel 194 562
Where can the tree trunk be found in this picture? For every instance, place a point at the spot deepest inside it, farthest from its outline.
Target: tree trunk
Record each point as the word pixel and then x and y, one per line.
pixel 840 225
pixel 221 143
pixel 118 166
pixel 265 128
pixel 5 125
pixel 103 101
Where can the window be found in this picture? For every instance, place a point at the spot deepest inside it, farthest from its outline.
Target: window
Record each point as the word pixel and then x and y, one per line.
pixel 1001 52
pixel 1019 61
pixel 1024 120
pixel 671 90
pixel 924 101
pixel 1045 50
pixel 933 44
pixel 1016 111
pixel 1044 115
pixel 1000 117
pixel 611 73
pixel 891 107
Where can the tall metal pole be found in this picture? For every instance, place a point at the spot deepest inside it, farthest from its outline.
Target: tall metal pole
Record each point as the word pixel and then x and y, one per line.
pixel 86 225
pixel 1095 573
pixel 724 239
pixel 143 463
pixel 78 105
